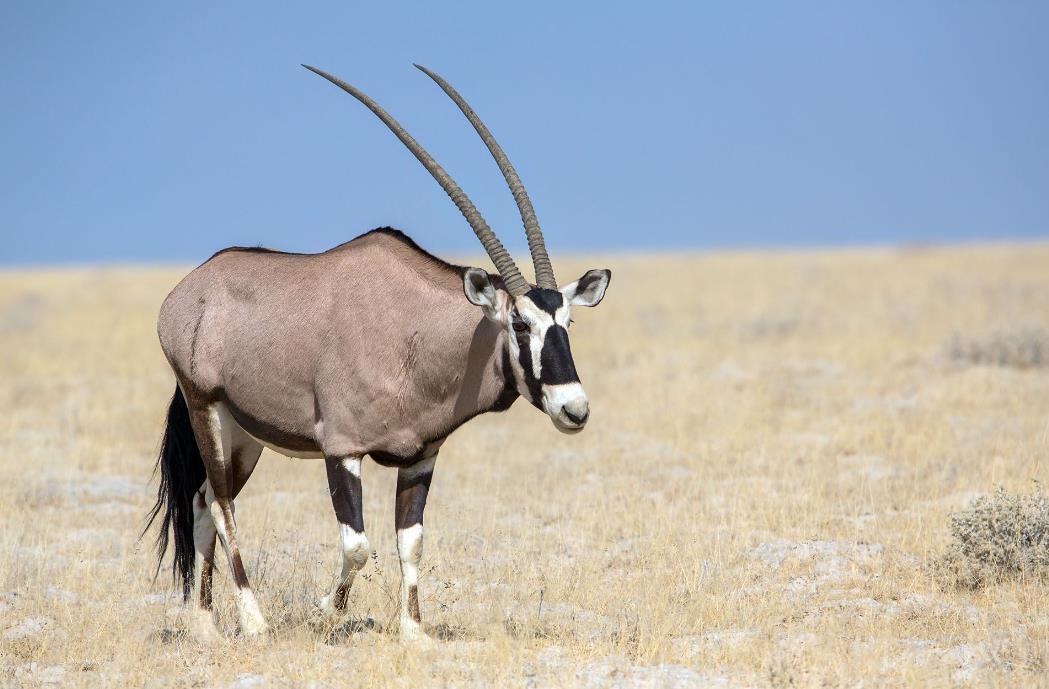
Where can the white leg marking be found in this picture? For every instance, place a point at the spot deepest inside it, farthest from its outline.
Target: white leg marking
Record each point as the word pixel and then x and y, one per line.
pixel 355 549
pixel 410 550
pixel 355 552
pixel 201 615
pixel 204 533
pixel 352 465
pixel 252 623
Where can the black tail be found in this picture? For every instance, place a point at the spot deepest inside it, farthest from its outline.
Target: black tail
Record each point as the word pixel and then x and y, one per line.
pixel 181 476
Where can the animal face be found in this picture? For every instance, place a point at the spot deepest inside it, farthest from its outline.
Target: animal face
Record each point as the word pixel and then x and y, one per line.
pixel 537 324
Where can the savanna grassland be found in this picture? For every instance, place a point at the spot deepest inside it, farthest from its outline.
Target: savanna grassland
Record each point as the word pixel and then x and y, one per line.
pixel 761 499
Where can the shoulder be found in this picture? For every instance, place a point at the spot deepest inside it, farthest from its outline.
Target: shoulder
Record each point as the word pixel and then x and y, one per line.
pixel 393 241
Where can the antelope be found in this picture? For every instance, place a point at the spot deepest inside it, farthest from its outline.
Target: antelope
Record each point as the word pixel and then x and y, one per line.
pixel 372 348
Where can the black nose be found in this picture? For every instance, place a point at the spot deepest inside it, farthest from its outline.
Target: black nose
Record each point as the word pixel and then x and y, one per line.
pixel 577 420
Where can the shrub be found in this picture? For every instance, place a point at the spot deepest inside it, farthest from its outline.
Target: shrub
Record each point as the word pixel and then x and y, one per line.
pixel 1022 348
pixel 998 537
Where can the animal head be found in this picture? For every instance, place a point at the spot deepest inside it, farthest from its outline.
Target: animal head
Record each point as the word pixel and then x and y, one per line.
pixel 536 324
pixel 536 318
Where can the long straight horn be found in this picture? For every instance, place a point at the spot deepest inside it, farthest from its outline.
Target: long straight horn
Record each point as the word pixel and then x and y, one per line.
pixel 515 282
pixel 544 272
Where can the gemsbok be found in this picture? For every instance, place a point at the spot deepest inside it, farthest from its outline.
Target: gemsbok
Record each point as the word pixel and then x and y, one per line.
pixel 373 348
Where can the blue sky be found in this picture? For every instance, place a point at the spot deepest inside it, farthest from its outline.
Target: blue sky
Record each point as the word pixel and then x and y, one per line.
pixel 135 131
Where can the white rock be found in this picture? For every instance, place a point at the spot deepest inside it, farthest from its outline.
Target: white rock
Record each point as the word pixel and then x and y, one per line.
pixel 689 646
pixel 29 627
pixel 247 681
pixel 61 595
pixel 53 674
pixel 7 601
pixel 871 467
pixel 775 553
pixel 159 598
pixel 612 674
pixel 36 674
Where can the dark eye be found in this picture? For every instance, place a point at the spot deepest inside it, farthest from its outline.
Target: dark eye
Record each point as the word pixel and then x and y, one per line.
pixel 520 327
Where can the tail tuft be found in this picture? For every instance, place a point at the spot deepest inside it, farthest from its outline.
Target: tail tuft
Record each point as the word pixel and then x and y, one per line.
pixel 181 476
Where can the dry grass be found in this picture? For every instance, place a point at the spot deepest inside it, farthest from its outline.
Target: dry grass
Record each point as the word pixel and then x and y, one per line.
pixel 777 444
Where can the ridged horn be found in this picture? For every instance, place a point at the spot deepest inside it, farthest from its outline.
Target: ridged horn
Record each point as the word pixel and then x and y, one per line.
pixel 544 271
pixel 515 282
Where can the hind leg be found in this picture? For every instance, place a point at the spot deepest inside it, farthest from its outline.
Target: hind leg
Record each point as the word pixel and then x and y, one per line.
pixel 244 456
pixel 216 434
pixel 200 603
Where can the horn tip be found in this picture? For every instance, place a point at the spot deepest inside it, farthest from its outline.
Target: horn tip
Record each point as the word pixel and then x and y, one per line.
pixel 322 73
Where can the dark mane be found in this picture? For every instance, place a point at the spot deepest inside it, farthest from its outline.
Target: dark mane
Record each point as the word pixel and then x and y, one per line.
pixel 390 232
pixel 250 250
pixel 410 243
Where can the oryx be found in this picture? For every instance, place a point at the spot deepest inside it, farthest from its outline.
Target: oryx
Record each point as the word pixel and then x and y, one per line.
pixel 373 348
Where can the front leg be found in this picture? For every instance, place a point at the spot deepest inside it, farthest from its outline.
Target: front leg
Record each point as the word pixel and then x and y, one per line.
pixel 413 483
pixel 344 483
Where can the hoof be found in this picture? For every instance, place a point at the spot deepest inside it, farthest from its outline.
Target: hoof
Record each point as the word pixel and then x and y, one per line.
pixel 202 628
pixel 326 611
pixel 254 628
pixel 255 633
pixel 252 623
pixel 414 635
pixel 324 615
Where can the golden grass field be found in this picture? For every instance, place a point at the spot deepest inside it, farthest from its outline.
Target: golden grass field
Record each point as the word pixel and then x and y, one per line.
pixel 777 442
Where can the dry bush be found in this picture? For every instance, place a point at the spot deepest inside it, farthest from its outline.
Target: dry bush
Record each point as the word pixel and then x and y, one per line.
pixel 1021 348
pixel 998 537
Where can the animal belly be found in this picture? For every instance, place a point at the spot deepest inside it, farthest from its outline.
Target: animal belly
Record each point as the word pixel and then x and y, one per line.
pixel 406 456
pixel 298 454
pixel 276 436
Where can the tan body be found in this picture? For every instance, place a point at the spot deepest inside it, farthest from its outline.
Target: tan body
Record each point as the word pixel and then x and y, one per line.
pixel 368 348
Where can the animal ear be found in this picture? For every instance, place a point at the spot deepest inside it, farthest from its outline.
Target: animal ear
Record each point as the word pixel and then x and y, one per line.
pixel 588 290
pixel 479 291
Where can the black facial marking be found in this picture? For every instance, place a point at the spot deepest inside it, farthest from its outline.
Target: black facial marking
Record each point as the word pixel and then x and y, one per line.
pixel 509 394
pixel 556 360
pixel 549 300
pixel 524 356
